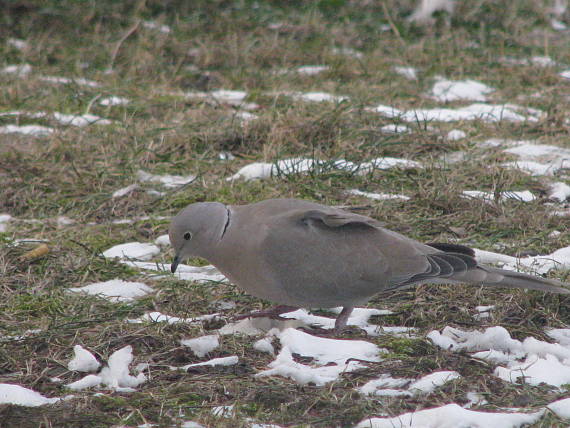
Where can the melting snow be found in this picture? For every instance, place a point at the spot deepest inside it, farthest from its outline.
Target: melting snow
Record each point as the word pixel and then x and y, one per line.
pixel 221 96
pixel 19 70
pixel 565 74
pixel 551 158
pixel 115 375
pixel 408 72
pixel 17 43
pixel 543 361
pixel 261 170
pixel 449 90
pixel 66 81
pixel 561 408
pixel 83 360
pixel 225 361
pixel 20 396
pixel 115 290
pixel 162 241
pixel 4 219
pixel 223 411
pixel 311 70
pixel 202 345
pixel 159 317
pixel 132 250
pixel 166 180
pixel 386 385
pixel 318 97
pixel 522 196
pixel 184 272
pixel 113 101
pixel 479 111
pixel 64 119
pixel 394 129
pixel 456 134
pixel 559 259
pixel 452 416
pixel 559 191
pixel 330 356
pixel 124 190
pixel 161 28
pixel 264 345
pixel 377 196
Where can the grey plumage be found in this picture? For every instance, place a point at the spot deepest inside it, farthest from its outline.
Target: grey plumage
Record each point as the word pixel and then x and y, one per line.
pixel 303 254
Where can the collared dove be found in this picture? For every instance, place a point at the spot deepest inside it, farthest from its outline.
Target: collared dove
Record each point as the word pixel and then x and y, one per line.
pixel 302 254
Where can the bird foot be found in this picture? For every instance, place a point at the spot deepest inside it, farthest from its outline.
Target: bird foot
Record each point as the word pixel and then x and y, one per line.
pixel 274 312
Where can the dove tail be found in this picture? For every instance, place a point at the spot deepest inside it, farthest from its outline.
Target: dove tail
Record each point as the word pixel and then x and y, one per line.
pixel 493 277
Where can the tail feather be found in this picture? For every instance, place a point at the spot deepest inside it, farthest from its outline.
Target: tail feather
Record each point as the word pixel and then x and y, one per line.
pixel 494 277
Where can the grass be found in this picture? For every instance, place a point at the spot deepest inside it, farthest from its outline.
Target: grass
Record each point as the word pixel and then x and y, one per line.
pixel 242 45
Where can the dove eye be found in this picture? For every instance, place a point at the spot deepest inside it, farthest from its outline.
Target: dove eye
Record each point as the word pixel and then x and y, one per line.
pixel 187 236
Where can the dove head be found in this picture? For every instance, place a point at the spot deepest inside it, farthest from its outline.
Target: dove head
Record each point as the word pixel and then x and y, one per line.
pixel 196 230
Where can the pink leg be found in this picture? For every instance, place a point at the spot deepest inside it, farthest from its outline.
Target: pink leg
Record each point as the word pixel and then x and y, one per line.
pixel 342 318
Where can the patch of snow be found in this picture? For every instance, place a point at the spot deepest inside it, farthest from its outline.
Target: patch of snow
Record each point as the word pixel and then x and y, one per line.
pixel 559 191
pixel 132 250
pixel 20 396
pixel 264 345
pixel 225 361
pixel 262 170
pixel 221 95
pixel 531 167
pixel 113 101
pixel 223 411
pixel 565 74
pixel 380 384
pixel 183 272
pixel 165 180
pixel 318 97
pixel 483 312
pixel 408 72
pixel 453 90
pixel 558 25
pixel 124 190
pixel 17 43
pixel 452 416
pixel 311 70
pixel 64 221
pixel 521 196
pixel 19 70
pixel 115 375
pixel 162 241
pixel 377 196
pixel 4 219
pixel 115 290
pixel 426 8
pixel 160 317
pixel 394 129
pixel 430 382
pixel 539 61
pixel 226 156
pixel 561 408
pixel 191 424
pixel 202 345
pixel 475 399
pixel 152 25
pixel 346 51
pixel 456 134
pixel 245 116
pixel 83 360
pixel 33 130
pixel 330 357
pixel 478 111
pixel 68 81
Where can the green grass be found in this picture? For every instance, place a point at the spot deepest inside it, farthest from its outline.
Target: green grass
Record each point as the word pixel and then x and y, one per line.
pixel 233 45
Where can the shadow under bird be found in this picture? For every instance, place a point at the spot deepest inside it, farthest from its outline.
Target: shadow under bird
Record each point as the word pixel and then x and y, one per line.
pixel 298 253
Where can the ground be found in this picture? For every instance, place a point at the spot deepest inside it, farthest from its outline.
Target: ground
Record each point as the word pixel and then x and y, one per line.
pixel 58 187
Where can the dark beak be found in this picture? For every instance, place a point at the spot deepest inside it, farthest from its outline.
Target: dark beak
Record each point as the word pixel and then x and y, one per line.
pixel 174 264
